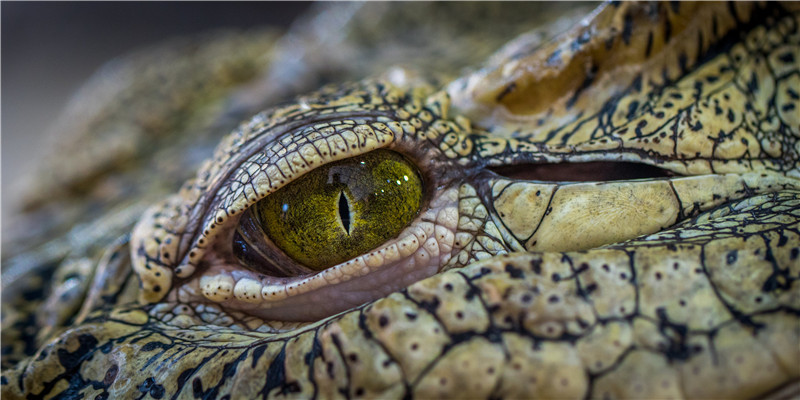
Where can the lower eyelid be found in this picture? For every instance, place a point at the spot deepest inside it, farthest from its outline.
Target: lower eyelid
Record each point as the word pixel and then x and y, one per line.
pixel 418 252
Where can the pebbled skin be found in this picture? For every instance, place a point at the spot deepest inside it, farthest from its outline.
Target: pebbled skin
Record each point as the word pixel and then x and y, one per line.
pixel 677 286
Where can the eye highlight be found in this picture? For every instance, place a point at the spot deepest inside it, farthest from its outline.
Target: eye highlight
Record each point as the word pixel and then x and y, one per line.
pixel 332 214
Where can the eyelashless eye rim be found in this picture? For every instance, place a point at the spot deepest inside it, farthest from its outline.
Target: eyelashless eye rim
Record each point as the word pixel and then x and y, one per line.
pixel 250 229
pixel 202 205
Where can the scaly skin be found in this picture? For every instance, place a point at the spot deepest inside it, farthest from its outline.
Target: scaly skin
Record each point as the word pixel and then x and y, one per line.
pixel 675 285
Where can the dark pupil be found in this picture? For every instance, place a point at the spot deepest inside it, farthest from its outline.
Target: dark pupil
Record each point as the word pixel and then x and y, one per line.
pixel 344 212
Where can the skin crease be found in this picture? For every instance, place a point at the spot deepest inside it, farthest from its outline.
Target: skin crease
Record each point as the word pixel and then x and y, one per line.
pixel 678 284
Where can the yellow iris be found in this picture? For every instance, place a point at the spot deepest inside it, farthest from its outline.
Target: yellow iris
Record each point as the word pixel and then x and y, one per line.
pixel 343 209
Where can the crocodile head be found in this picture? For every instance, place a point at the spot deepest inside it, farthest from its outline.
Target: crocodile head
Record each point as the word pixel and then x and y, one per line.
pixel 612 212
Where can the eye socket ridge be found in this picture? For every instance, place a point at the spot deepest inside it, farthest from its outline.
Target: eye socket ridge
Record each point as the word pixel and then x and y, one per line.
pixel 187 238
pixel 412 255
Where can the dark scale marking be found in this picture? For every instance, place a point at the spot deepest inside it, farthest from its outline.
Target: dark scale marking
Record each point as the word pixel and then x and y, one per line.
pixel 514 272
pixel 683 63
pixel 632 107
pixel 430 306
pixel 676 348
pixel 590 288
pixel 699 56
pixel 526 298
pixel 276 376
pixel 329 369
pixel 471 293
pixel 149 386
pixel 536 266
pixel 639 127
pixel 649 47
pixel 70 360
pixel 779 280
pixel 196 384
pixel 257 353
pixel 698 90
pixel 627 28
pixel 197 388
pixel 150 346
pixel 582 268
pixel 610 42
pixel 636 85
pixel 752 83
pixel 667 30
pixel 506 91
pixel 229 370
pixel 787 57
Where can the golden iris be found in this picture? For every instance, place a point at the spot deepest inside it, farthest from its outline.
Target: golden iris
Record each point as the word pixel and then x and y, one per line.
pixel 342 209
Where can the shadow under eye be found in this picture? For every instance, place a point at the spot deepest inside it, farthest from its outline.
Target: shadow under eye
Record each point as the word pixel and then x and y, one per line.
pixel 330 215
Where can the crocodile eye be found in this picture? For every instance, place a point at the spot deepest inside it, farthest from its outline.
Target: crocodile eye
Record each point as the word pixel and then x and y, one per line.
pixel 331 214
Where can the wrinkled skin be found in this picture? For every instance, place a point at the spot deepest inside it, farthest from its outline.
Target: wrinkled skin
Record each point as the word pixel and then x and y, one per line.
pixel 663 263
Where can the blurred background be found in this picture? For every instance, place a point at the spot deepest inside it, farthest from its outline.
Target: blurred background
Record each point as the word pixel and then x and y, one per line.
pixel 50 48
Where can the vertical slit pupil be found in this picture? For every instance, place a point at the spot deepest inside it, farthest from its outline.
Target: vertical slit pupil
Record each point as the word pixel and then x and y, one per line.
pixel 344 212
